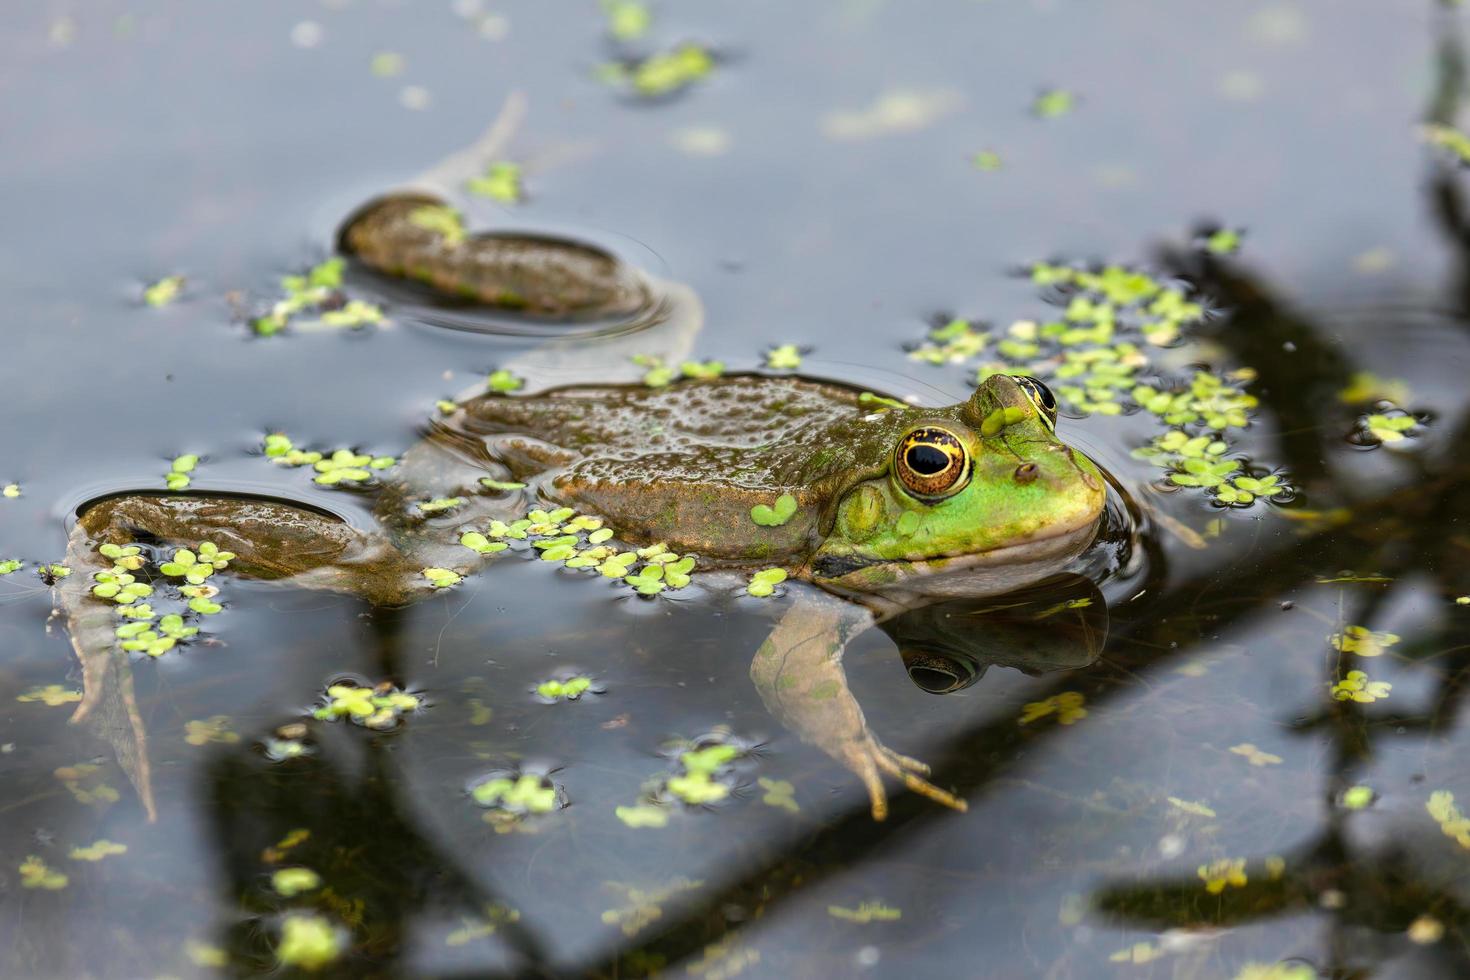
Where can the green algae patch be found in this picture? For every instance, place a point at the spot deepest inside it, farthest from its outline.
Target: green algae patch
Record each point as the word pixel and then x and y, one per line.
pixel 382 707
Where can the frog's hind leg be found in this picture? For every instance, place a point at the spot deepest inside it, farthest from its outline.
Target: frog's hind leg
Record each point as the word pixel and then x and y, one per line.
pixel 270 540
pixel 798 672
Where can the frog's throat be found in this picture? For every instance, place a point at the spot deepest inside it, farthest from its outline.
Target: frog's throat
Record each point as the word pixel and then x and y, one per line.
pixel 977 573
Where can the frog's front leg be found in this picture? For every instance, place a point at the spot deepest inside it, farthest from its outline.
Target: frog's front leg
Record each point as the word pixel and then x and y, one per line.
pixel 270 540
pixel 798 672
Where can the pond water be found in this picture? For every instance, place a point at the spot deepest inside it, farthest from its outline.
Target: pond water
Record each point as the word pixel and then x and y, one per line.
pixel 1228 745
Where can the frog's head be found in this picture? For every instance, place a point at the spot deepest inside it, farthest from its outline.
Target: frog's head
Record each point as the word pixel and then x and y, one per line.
pixel 975 499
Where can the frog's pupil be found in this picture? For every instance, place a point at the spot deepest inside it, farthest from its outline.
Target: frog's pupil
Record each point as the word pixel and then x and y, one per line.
pixel 927 460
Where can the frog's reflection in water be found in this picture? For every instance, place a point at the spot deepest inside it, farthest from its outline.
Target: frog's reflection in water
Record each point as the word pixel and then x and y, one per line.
pixel 1059 624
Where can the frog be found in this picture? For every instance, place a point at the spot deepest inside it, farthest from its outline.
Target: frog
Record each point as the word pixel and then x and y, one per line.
pixel 870 505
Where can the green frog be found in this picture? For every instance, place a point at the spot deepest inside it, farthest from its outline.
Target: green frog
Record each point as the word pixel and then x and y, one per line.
pixel 876 506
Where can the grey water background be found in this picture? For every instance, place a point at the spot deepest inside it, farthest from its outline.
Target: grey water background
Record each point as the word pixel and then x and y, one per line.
pixel 199 139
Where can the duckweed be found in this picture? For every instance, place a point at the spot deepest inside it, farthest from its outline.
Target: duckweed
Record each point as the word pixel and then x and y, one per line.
pixel 164 291
pixel 1356 685
pixel 578 542
pixel 1255 756
pixel 52 695
pixel 1053 103
pixel 569 689
pixel 525 793
pixel 504 382
pixel 319 290
pixel 291 882
pixel 215 729
pixel 309 942
pixel 442 220
pixel 35 874
pixel 1452 822
pixel 1066 706
pixel 775 514
pixel 1365 386
pixel 500 485
pixel 1448 138
pixel 865 913
pixel 500 182
pixel 438 504
pixel 763 583
pixel 662 73
pixel 1387 428
pixel 779 793
pixel 1225 241
pixel 177 477
pixel 627 20
pixel 10 490
pixel 345 466
pixel 97 851
pixel 1277 971
pixel 1222 874
pixel 472 928
pixel 643 815
pixel 987 161
pixel 10 565
pixel 643 907
pixel 1357 797
pixel 784 357
pixel 1362 641
pixel 955 342
pixel 84 781
pixel 868 401
pixel 381 707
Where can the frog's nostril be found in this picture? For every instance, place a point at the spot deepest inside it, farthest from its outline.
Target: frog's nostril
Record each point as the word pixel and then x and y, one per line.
pixel 1026 472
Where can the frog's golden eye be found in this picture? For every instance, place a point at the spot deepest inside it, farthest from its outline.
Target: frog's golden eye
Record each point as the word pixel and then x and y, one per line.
pixel 1041 397
pixel 931 462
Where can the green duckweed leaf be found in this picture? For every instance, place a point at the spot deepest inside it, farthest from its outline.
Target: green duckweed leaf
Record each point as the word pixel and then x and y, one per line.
pixel 767 515
pixel 164 291
pixel 504 382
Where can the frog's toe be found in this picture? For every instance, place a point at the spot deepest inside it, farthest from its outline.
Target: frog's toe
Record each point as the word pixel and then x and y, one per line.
pixel 907 770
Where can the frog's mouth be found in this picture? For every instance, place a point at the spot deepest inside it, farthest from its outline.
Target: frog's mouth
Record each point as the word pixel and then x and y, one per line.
pixel 975 573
